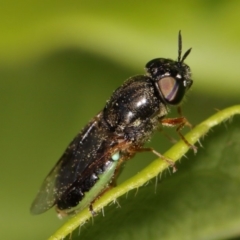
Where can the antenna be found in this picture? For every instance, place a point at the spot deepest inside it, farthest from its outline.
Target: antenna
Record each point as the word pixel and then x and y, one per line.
pixel 180 58
pixel 179 46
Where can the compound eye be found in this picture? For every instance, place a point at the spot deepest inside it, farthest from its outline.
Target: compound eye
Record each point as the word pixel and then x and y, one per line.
pixel 169 88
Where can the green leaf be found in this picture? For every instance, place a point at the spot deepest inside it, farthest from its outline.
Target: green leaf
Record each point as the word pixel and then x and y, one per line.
pixel 200 201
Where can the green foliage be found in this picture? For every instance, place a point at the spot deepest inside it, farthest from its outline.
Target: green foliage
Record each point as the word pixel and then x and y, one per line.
pixel 60 62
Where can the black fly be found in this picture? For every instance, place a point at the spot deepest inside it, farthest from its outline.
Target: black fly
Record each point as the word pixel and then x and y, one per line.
pixel 133 112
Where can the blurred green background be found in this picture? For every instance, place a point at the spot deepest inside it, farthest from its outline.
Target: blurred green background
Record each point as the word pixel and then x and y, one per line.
pixel 60 62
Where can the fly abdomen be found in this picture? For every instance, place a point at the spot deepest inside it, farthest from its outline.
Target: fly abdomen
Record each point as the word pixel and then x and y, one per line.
pixel 84 192
pixel 71 199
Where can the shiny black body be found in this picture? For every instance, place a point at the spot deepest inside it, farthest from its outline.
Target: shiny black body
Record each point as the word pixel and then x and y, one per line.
pixel 134 110
pixel 127 121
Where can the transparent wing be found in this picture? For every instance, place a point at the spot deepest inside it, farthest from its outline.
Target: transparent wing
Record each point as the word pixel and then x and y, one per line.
pixel 81 152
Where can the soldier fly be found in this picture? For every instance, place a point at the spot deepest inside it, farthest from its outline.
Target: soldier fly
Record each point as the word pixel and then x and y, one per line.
pixel 137 108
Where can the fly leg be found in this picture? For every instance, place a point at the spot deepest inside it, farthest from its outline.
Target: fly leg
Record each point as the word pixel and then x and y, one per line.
pixel 91 209
pixel 169 161
pixel 180 122
pixel 110 186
